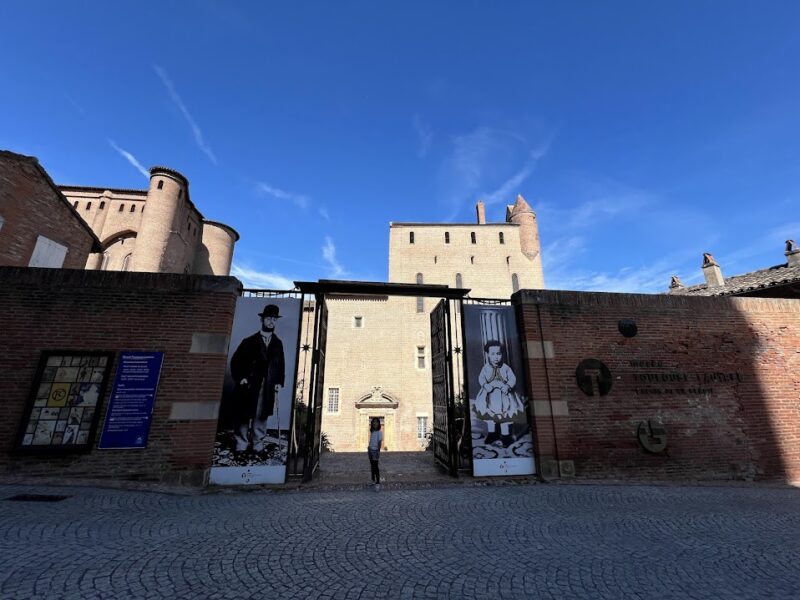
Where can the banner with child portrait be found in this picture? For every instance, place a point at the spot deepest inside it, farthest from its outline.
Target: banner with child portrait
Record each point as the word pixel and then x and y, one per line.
pixel 502 442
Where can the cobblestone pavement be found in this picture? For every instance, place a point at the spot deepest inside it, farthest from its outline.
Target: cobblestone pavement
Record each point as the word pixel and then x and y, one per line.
pixel 526 541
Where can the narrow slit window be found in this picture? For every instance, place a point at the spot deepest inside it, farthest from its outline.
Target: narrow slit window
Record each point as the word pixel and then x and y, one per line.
pixel 411 237
pixel 459 281
pixel 358 322
pixel 88 206
pixel 133 208
pixel 121 207
pixel 102 205
pixel 446 237
pixel 420 357
pixel 515 282
pixel 472 237
pixel 160 184
pixel 502 238
pixel 420 299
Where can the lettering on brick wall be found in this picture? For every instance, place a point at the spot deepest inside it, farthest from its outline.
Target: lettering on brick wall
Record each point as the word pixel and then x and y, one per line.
pixel 678 382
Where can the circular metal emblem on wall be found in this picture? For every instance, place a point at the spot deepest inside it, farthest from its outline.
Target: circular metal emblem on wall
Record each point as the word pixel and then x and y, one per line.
pixel 627 327
pixel 592 375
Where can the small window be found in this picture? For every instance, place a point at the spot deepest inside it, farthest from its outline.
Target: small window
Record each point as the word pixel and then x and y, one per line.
pixel 102 205
pixel 133 208
pixel 422 427
pixel 411 237
pixel 88 206
pixel 502 239
pixel 121 207
pixel 435 259
pixel 472 237
pixel 515 282
pixel 333 400
pixel 160 184
pixel 446 237
pixel 472 260
pixel 358 322
pixel 508 260
pixel 459 281
pixel 420 357
pixel 75 204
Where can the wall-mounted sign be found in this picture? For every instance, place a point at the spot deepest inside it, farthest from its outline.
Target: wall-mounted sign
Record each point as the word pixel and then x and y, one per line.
pixel 593 376
pixel 64 405
pixel 130 407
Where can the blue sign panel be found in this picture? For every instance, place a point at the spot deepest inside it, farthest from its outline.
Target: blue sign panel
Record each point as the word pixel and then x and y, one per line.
pixel 130 407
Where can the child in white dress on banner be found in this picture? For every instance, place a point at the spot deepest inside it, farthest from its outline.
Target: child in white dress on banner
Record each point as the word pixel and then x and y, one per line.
pixel 497 403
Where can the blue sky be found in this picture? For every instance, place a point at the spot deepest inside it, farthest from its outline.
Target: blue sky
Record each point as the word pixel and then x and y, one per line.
pixel 642 133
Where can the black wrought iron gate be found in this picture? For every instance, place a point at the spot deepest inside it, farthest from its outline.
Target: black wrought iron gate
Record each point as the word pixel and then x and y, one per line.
pixel 445 436
pixel 307 432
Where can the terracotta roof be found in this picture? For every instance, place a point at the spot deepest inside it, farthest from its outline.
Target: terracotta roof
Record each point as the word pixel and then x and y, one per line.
pixel 738 284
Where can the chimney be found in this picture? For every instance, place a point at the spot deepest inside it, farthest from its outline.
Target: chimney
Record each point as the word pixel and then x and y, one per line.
pixel 676 283
pixel 792 253
pixel 481 212
pixel 711 271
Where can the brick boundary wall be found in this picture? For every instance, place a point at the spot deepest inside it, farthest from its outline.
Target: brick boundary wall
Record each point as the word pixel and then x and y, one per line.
pixel 721 374
pixel 188 317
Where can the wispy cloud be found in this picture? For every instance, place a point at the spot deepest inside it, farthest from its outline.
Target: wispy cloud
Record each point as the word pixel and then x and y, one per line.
pixel 510 188
pixel 252 278
pixel 323 212
pixel 176 99
pixel 299 200
pixel 130 158
pixel 424 135
pixel 487 158
pixel 335 269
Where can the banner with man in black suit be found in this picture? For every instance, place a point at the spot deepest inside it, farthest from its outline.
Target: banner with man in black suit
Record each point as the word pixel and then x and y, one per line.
pixel 255 413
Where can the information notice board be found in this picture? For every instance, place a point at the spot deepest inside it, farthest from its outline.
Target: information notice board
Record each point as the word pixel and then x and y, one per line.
pixel 130 407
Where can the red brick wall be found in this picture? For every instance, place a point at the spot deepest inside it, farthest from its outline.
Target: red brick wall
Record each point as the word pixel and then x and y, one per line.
pixel 745 424
pixel 51 309
pixel 31 207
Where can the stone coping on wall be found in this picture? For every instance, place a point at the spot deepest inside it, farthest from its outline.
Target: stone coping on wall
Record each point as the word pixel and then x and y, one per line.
pixel 79 278
pixel 609 299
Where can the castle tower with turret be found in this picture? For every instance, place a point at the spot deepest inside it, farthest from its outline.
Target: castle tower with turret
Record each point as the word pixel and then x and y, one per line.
pixel 171 236
pixel 380 346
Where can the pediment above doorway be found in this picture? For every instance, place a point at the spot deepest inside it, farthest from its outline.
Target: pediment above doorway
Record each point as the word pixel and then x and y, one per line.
pixel 377 398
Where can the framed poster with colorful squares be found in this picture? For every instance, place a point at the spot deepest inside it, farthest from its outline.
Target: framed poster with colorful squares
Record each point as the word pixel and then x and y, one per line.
pixel 64 405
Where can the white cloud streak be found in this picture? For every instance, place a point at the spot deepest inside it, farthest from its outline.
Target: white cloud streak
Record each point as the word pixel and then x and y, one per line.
pixel 335 269
pixel 252 278
pixel 482 158
pixel 323 212
pixel 176 99
pixel 130 158
pixel 424 135
pixel 298 200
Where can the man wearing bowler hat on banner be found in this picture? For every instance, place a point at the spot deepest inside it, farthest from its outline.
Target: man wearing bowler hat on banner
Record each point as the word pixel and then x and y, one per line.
pixel 258 370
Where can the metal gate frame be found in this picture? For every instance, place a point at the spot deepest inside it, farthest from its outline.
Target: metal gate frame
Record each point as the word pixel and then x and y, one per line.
pixel 308 436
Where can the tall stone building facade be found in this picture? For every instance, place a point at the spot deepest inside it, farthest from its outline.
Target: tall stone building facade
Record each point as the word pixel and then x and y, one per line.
pixel 171 236
pixel 378 361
